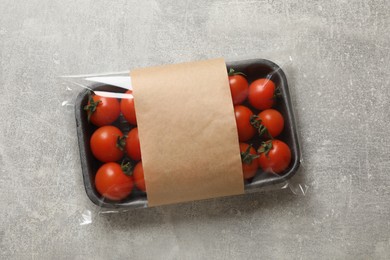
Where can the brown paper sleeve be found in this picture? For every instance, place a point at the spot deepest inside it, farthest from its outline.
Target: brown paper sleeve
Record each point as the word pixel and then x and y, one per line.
pixel 187 132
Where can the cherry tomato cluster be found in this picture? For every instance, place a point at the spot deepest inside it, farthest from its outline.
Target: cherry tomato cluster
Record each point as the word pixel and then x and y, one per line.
pixel 258 124
pixel 109 145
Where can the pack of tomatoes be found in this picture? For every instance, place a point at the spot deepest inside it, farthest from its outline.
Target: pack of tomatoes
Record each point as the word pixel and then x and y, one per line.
pixel 127 161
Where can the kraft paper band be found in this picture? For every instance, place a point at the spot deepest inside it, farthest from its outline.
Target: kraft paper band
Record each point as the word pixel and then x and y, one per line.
pixel 187 131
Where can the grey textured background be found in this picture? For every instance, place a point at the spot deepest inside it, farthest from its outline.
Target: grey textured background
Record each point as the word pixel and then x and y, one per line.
pixel 339 79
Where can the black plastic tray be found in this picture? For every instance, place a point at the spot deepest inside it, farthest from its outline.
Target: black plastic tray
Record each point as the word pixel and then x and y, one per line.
pixel 254 69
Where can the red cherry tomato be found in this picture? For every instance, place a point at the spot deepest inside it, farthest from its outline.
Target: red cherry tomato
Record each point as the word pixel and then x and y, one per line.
pixel 243 116
pixel 138 175
pixel 133 148
pixel 249 160
pixel 102 110
pixel 238 87
pixel 261 93
pixel 112 182
pixel 107 144
pixel 275 156
pixel 272 121
pixel 127 108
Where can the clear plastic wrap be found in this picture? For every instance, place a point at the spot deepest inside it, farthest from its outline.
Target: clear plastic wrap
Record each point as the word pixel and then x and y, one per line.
pixel 267 145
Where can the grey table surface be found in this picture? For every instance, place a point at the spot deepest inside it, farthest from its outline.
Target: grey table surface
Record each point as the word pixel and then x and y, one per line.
pixel 336 56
